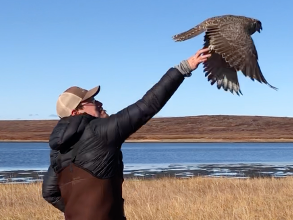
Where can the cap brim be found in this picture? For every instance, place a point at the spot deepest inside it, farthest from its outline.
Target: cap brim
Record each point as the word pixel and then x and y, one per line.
pixel 91 93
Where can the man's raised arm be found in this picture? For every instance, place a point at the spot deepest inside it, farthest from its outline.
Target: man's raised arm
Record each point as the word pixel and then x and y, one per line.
pixel 119 126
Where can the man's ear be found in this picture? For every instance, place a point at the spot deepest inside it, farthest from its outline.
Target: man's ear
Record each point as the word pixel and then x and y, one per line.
pixel 74 112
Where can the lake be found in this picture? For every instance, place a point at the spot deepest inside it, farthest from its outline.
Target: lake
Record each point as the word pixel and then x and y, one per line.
pixel 29 161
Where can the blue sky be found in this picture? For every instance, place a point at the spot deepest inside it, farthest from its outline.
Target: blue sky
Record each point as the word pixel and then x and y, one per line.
pixel 126 47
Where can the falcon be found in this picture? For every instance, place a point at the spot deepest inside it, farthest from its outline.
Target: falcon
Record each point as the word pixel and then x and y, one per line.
pixel 232 49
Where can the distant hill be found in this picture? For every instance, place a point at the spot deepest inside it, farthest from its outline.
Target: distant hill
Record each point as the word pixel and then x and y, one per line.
pixel 175 129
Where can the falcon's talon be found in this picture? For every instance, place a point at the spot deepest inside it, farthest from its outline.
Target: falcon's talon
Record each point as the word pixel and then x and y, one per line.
pixel 211 48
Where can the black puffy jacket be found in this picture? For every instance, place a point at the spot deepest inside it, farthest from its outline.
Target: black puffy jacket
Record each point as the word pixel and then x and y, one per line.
pixel 86 155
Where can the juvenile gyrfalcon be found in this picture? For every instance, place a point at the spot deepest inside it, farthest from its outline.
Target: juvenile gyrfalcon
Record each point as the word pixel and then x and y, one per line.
pixel 229 39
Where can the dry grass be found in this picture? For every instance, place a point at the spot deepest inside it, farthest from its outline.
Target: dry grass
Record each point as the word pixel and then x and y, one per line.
pixel 161 199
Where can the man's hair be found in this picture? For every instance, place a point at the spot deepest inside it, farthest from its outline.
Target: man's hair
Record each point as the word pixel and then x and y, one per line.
pixel 79 107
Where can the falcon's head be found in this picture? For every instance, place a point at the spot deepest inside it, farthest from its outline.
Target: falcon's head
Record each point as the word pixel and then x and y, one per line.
pixel 253 26
pixel 257 25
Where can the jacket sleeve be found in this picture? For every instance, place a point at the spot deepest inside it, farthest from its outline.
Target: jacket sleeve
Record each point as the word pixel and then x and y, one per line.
pixel 118 127
pixel 50 190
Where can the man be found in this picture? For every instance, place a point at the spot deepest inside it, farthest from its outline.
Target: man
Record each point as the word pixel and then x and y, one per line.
pixel 85 177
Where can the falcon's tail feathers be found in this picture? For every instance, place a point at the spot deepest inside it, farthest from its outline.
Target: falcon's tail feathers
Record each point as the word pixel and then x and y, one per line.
pixel 190 33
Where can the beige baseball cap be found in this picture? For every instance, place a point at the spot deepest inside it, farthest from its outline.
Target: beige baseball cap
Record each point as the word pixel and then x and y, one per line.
pixel 72 97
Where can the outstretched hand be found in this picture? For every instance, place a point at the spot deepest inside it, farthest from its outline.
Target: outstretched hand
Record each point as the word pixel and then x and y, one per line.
pixel 201 56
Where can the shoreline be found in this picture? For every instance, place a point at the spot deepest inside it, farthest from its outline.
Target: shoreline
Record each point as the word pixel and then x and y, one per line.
pixel 238 170
pixel 271 140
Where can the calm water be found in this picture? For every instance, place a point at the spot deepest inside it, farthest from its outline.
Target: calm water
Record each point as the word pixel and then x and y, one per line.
pixel 29 156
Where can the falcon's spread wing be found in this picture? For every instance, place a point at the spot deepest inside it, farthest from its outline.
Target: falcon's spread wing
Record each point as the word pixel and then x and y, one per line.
pixel 218 70
pixel 237 47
